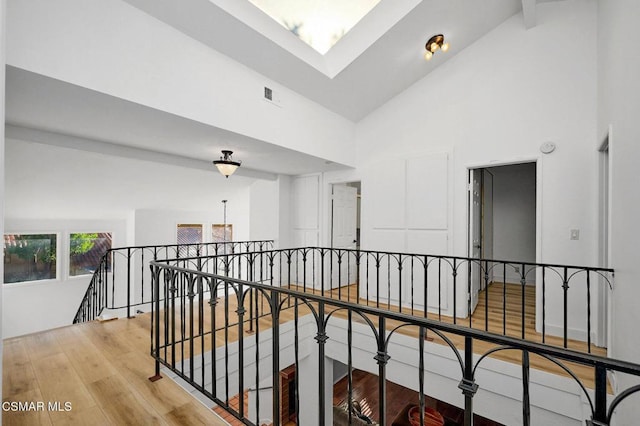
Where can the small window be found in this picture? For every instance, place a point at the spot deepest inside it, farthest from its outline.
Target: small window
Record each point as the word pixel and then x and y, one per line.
pixel 221 233
pixel 189 233
pixel 29 257
pixel 85 251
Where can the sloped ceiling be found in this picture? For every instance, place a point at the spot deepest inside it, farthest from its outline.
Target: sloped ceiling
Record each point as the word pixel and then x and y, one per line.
pixel 352 87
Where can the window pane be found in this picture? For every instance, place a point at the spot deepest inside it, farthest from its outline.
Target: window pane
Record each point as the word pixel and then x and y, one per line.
pixel 189 233
pixel 86 250
pixel 220 234
pixel 29 257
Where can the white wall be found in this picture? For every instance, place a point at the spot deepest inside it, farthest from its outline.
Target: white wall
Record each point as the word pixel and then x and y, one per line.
pixel 619 106
pixel 158 227
pixel 269 211
pixel 70 183
pixel 514 216
pixel 55 189
pixel 42 305
pixel 497 102
pixel 305 210
pixel 114 48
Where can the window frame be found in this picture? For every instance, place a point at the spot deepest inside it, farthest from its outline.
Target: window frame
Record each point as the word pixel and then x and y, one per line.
pixel 58 263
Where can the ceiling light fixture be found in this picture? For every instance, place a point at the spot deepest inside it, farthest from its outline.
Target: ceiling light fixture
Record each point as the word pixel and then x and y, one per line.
pixel 436 42
pixel 226 165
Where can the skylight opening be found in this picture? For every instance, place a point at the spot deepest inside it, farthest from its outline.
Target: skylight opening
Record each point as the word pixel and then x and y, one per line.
pixel 319 23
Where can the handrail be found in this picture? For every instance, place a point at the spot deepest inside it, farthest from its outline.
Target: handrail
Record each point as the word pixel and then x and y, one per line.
pixel 447 286
pixel 121 279
pixel 182 291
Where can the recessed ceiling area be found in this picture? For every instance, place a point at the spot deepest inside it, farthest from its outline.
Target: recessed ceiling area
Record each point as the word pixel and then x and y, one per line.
pixel 94 119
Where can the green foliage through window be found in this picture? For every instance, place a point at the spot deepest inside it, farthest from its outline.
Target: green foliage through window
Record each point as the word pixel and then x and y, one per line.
pixel 85 251
pixel 29 257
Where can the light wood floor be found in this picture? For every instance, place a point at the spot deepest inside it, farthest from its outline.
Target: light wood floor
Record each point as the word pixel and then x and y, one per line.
pixel 102 369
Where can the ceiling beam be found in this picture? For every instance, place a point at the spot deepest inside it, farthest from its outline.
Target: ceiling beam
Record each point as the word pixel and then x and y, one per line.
pixel 92 145
pixel 529 13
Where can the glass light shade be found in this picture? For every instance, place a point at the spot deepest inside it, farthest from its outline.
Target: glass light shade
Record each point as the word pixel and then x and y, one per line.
pixel 434 46
pixel 428 55
pixel 227 169
pixel 445 47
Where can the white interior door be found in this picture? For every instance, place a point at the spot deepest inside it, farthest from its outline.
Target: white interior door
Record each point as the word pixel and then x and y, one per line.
pixel 345 204
pixel 475 231
pixel 344 213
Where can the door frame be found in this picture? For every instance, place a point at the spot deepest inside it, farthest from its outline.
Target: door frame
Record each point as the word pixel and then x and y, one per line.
pixel 539 189
pixel 603 318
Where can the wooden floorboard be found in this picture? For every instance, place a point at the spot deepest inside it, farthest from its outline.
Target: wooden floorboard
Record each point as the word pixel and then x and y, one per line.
pixel 102 370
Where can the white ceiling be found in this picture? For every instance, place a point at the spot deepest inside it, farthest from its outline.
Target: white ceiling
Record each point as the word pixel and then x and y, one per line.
pixel 363 80
pixel 38 102
pixel 376 60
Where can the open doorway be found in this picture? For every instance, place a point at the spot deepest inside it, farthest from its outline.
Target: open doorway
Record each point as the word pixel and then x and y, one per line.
pixel 502 220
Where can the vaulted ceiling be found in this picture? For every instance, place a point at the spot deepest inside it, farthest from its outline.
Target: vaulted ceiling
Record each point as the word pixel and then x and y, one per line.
pixel 379 58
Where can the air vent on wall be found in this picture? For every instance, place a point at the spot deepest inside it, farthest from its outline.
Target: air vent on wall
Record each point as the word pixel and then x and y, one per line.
pixel 271 97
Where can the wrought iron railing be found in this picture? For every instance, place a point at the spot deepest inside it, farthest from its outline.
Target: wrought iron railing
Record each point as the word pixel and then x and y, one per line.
pixel 209 330
pixel 122 280
pixel 461 290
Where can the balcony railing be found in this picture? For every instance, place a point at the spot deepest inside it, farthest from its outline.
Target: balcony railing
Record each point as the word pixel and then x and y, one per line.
pixel 543 302
pixel 122 280
pixel 225 335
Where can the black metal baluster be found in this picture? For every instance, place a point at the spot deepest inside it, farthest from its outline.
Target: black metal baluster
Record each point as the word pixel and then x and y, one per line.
pixel 455 292
pixel 321 338
pixel 213 302
pixel 600 413
pixel 588 311
pixel 526 408
pixel 544 307
pixel 388 281
pixel 412 292
pixel 275 356
pixel 296 349
pixel 240 312
pixel 400 283
pixel 486 295
pixel 467 384
pixel 523 283
pixel 350 363
pixel 504 299
pixel 257 360
pixel 142 276
pixel 382 358
pixel 426 286
pixel 421 337
pixel 128 282
pixel 439 289
pixel 226 340
pixel 469 292
pixel 565 288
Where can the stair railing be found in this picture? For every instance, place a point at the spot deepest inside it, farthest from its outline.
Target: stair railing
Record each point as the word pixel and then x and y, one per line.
pixel 121 281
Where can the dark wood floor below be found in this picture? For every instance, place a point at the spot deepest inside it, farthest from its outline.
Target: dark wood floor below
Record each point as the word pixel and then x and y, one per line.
pixel 365 392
